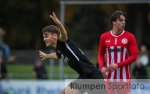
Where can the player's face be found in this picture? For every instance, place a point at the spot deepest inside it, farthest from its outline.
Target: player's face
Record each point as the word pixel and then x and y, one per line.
pixel 120 22
pixel 50 39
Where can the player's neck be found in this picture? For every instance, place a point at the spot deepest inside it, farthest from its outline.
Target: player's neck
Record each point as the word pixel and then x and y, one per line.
pixel 116 32
pixel 54 44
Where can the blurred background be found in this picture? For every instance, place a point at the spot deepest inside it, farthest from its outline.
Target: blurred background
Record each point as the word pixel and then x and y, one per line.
pixel 21 22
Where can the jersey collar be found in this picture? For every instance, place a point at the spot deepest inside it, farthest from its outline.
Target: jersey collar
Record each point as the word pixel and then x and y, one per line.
pixel 116 35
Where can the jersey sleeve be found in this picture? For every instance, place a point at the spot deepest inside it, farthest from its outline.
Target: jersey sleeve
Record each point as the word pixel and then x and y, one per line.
pixel 101 52
pixel 133 52
pixel 133 48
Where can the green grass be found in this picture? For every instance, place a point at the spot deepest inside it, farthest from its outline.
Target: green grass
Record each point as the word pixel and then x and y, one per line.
pixel 148 71
pixel 19 68
pixel 24 71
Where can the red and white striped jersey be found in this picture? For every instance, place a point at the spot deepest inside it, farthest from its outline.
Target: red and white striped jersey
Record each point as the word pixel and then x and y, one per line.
pixel 121 49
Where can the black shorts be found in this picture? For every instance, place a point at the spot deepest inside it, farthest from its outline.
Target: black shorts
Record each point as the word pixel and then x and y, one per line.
pixel 86 70
pixel 83 83
pixel 96 74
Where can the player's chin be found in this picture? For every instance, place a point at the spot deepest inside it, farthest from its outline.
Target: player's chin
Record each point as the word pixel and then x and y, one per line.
pixel 48 45
pixel 122 27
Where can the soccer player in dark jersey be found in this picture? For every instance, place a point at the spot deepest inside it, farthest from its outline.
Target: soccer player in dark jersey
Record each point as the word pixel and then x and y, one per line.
pixel 57 38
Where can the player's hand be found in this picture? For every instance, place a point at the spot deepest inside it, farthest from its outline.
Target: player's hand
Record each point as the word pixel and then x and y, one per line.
pixel 55 19
pixel 112 67
pixel 104 72
pixel 42 55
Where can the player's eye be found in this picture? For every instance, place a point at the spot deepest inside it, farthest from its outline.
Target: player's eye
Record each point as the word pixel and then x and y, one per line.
pixel 46 36
pixel 121 20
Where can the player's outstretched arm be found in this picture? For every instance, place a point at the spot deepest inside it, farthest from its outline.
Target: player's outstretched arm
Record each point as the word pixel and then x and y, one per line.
pixel 46 56
pixel 63 34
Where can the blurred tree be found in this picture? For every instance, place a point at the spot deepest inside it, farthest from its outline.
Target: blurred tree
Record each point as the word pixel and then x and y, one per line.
pixel 87 26
pixel 24 20
pixel 138 22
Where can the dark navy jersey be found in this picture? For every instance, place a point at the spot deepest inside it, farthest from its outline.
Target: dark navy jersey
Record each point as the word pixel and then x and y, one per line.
pixel 75 57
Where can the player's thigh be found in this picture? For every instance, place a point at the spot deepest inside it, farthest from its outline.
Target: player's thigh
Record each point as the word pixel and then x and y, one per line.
pixel 69 90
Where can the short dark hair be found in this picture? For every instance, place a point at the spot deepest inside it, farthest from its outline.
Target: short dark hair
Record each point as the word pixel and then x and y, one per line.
pixel 51 29
pixel 116 15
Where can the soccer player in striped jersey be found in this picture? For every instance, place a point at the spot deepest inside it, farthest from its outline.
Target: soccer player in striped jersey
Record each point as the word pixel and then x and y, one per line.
pixel 117 50
pixel 56 37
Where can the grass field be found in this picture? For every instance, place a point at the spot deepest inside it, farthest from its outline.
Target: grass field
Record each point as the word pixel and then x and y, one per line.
pixel 24 71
